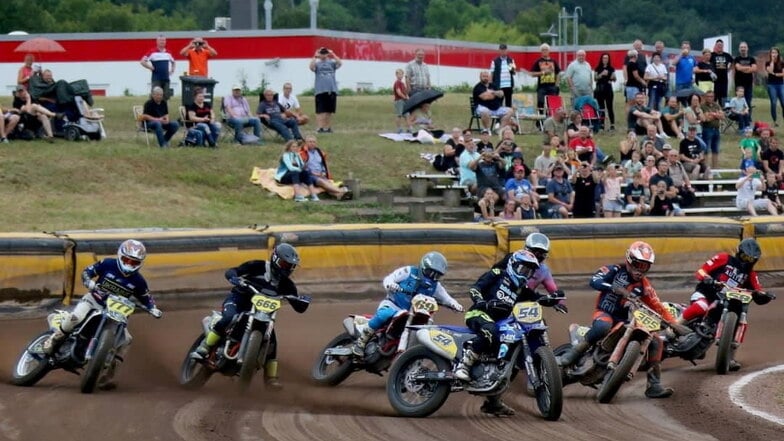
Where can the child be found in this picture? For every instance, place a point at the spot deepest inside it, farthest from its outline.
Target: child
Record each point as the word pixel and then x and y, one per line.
pixel 739 110
pixel 613 202
pixel 632 166
pixel 484 209
pixel 400 94
pixel 749 142
pixel 634 194
pixel 662 205
pixel 749 161
pixel 526 208
pixel 772 190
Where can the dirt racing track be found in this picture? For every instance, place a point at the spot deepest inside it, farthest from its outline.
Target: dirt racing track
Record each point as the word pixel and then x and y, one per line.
pixel 150 405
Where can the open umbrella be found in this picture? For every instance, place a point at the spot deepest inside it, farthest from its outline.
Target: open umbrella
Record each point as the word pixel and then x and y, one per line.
pixel 421 97
pixel 40 45
pixel 685 93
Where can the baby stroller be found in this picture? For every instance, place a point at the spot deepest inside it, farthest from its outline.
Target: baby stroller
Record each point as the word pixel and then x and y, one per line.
pixel 83 122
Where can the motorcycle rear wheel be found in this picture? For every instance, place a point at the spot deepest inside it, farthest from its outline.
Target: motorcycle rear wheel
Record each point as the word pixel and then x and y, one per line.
pixel 193 374
pixel 100 360
pixel 620 374
pixel 342 367
pixel 419 399
pixel 549 395
pixel 31 367
pixel 725 351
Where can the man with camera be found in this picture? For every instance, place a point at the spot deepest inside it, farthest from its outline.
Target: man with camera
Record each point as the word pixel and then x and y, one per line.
pixel 324 64
pixel 198 51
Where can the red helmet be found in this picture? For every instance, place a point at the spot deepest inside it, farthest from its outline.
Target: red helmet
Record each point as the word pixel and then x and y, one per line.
pixel 639 258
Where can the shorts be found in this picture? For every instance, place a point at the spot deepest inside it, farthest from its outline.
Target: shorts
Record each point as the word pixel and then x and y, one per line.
pixel 497 113
pixel 613 205
pixel 326 102
pixel 632 207
pixel 399 104
pixel 631 92
pixel 758 204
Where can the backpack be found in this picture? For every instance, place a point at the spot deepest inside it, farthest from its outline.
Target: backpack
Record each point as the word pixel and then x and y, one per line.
pixel 194 138
pixel 248 138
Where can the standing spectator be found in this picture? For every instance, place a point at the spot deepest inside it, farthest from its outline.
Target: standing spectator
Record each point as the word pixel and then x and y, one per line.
pixel 503 71
pixel 489 102
pixel 775 69
pixel 316 164
pixel 739 109
pixel 273 115
pixel 200 113
pixel 703 73
pixel 640 61
pixel 745 68
pixel 656 74
pixel 684 63
pixel 417 73
pixel 747 187
pixel 325 63
pixel 291 105
pixel 635 83
pixel 161 64
pixel 634 195
pixel 292 171
pixel 712 115
pixel 605 76
pixel 584 183
pixel 198 52
pixel 156 113
pixel 560 194
pixel 658 48
pixel 400 95
pixel 546 71
pixel 25 72
pixel 771 159
pixel 579 75
pixel 238 113
pixel 613 201
pixel 721 62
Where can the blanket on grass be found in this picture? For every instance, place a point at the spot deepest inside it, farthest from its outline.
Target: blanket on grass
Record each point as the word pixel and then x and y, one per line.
pixel 265 177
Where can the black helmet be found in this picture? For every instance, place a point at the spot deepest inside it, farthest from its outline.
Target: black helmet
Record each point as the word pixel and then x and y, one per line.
pixel 433 265
pixel 284 260
pixel 749 251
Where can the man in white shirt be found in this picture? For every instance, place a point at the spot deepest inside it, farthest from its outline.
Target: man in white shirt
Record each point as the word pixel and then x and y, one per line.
pixel 747 187
pixel 580 76
pixel 290 102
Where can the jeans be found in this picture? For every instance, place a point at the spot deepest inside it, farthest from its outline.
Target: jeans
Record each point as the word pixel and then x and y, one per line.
pixel 240 123
pixel 775 92
pixel 170 129
pixel 288 128
pixel 656 93
pixel 211 132
pixel 711 136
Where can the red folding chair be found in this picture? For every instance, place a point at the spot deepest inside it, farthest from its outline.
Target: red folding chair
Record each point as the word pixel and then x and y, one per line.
pixel 552 102
pixel 592 118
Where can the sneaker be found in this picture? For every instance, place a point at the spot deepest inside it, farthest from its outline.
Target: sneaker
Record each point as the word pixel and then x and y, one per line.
pixel 657 391
pixel 273 383
pixel 4 140
pixel 299 199
pixel 314 198
pixel 734 366
pixel 662 136
pixel 321 130
pixel 328 130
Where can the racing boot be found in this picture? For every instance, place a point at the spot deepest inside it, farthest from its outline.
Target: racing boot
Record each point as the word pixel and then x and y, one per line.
pixel 365 334
pixel 655 389
pixel 493 405
pixel 54 340
pixel 573 354
pixel 463 368
pixel 734 366
pixel 205 346
pixel 271 374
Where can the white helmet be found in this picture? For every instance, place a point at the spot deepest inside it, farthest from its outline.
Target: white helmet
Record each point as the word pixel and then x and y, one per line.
pixel 130 256
pixel 539 245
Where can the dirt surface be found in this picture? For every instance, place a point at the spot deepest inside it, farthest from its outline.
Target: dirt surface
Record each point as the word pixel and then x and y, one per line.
pixel 150 405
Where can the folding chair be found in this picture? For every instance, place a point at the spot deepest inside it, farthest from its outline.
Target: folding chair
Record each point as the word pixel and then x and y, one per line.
pixel 475 119
pixel 227 130
pixel 729 119
pixel 551 103
pixel 524 106
pixel 592 118
pixel 141 124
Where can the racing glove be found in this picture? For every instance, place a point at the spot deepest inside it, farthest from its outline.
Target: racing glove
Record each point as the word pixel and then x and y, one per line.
pixel 237 281
pixel 762 297
pixel 476 297
pixel 91 284
pixel 155 312
pixel 561 307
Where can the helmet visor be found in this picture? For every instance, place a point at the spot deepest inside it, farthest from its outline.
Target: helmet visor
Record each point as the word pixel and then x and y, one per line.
pixel 540 254
pixel 285 267
pixel 640 265
pixel 747 258
pixel 432 274
pixel 130 262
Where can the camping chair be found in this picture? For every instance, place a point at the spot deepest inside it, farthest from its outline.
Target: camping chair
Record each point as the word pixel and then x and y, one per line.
pixel 141 124
pixel 475 119
pixel 227 130
pixel 524 106
pixel 591 115
pixel 551 103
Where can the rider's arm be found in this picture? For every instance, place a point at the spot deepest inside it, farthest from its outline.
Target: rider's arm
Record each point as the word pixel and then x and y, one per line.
pixel 753 282
pixel 251 267
pixel 90 273
pixel 143 293
pixel 547 279
pixel 391 282
pixel 711 265
pixel 651 299
pixel 443 297
pixel 603 277
pixel 485 280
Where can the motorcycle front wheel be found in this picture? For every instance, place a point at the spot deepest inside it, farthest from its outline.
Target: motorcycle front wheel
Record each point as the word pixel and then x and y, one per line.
pixel 252 359
pixel 726 351
pixel 332 370
pixel 31 366
pixel 193 373
pixel 549 394
pixel 411 397
pixel 620 374
pixel 100 360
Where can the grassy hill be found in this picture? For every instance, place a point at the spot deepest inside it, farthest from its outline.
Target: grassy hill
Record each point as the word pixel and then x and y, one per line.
pixel 120 182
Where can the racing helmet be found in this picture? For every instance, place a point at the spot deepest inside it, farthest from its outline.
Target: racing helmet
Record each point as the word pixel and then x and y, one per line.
pixel 749 252
pixel 522 266
pixel 639 258
pixel 539 245
pixel 284 260
pixel 130 256
pixel 433 265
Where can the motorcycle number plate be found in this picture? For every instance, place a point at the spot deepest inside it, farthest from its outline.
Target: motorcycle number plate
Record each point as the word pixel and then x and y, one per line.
pixel 423 304
pixel 120 306
pixel 55 320
pixel 647 320
pixel 265 304
pixel 527 312
pixel 672 310
pixel 743 296
pixel 443 341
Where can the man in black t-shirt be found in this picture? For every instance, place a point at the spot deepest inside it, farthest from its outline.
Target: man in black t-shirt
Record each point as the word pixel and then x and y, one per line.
pixel 489 102
pixel 156 114
pixel 721 62
pixel 546 71
pixel 745 65
pixel 691 155
pixel 771 159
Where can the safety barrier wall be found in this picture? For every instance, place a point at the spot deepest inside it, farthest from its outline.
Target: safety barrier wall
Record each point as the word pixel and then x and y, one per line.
pixel 769 232
pixel 352 259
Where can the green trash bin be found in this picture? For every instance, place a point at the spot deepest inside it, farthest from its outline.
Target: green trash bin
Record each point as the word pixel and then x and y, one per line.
pixel 191 84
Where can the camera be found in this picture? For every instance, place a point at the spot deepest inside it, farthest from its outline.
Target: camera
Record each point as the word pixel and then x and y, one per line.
pixel 198 43
pixel 323 51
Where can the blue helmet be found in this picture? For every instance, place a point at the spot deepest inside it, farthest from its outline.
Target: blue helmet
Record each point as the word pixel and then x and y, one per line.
pixel 522 266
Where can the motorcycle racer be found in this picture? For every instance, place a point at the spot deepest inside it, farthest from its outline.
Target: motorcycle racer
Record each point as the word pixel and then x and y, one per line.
pixel 401 286
pixel 273 275
pixel 615 282
pixel 730 270
pixel 118 276
pixel 494 295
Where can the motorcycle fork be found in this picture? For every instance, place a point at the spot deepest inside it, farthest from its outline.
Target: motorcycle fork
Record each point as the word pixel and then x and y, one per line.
pixel 533 376
pixel 88 354
pixel 740 331
pixel 720 325
pixel 620 347
pixel 402 344
pixel 643 350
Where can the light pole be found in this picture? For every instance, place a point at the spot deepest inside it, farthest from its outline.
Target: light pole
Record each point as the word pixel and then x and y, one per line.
pixel 550 33
pixel 268 14
pixel 313 13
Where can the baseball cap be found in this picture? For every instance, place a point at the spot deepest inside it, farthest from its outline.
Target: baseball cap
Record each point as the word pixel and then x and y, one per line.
pixel 519 168
pixel 693 128
pixel 502 46
pixel 666 147
pixel 485 131
pixel 558 165
pixel 517 155
pixel 236 87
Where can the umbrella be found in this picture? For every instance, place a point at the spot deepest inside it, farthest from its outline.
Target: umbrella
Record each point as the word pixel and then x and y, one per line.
pixel 422 97
pixel 40 45
pixel 685 93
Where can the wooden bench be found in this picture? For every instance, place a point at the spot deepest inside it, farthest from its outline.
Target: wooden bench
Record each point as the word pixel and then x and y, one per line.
pixel 452 194
pixel 420 182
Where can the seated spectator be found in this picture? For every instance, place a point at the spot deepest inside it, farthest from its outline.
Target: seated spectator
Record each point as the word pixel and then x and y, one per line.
pixel 747 187
pixel 642 116
pixel 272 114
pixel 585 183
pixel 560 194
pixel 33 116
pixel 484 208
pixel 291 105
pixel 555 125
pixel 8 124
pixel 510 211
pixel 771 159
pixel 448 160
pixel 48 100
pixel 648 169
pixel 490 172
pixel 751 143
pixel 584 146
pixel 680 179
pixel 238 114
pixel 527 210
pixel 652 136
pixel 156 114
pixel 201 115
pixel 662 168
pixel 573 128
pixel 772 191
pixel 292 171
pixel 507 146
pixel 748 161
pixel 672 118
pixel 571 161
pixel 517 186
pixel 648 149
pixel 517 160
pixel 316 164
pixel 632 166
pixel 692 156
pixel 739 110
pixel 484 141
pixel 628 145
pixel 468 162
pixel 421 118
pixel 543 165
pixel 613 201
pixel 662 202
pixel 765 134
pixel 489 103
pixel 635 196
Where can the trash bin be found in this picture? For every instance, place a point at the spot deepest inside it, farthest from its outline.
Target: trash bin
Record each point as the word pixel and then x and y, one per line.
pixel 190 84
